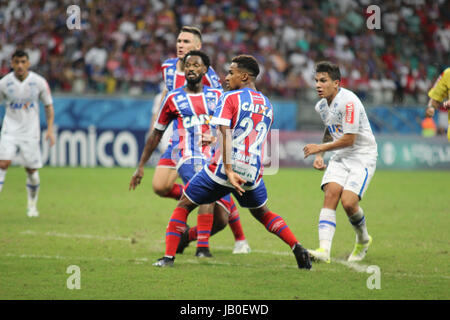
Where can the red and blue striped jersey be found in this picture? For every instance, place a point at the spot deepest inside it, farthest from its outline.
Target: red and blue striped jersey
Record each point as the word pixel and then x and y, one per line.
pixel 191 114
pixel 174 79
pixel 249 114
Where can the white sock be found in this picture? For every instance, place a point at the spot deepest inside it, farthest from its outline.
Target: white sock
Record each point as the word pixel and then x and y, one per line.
pixel 327 227
pixel 358 221
pixel 2 178
pixel 33 187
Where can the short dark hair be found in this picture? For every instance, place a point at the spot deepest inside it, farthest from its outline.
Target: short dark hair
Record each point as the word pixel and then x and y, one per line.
pixel 200 54
pixel 330 68
pixel 193 30
pixel 20 54
pixel 248 63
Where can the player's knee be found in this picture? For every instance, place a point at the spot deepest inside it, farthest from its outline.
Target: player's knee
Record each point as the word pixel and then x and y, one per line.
pixel 220 221
pixel 218 225
pixel 160 189
pixel 186 204
pixel 4 164
pixel 30 171
pixel 332 196
pixel 220 218
pixel 258 213
pixel 350 205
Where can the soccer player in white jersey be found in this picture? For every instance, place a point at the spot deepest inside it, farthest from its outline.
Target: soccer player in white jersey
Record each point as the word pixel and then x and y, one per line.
pixel 352 166
pixel 21 91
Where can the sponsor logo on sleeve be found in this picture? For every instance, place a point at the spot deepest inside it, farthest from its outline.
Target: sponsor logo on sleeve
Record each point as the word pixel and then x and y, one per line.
pixel 349 113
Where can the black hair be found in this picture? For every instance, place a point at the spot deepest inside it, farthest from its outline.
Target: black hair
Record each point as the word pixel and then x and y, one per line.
pixel 330 68
pixel 20 54
pixel 193 30
pixel 248 63
pixel 200 54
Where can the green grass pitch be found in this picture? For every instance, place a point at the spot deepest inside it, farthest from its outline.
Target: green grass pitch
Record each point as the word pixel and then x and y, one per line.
pixel 88 218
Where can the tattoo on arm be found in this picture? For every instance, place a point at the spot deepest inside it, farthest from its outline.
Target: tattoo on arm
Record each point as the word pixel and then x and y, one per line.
pixel 49 113
pixel 327 136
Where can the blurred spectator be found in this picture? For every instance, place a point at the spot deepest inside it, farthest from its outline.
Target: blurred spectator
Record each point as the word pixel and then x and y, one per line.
pixel 428 127
pixel 121 44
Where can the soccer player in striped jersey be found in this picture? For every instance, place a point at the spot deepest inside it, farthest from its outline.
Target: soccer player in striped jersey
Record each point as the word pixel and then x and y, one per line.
pixel 165 175
pixel 244 117
pixel 189 109
pixel 439 96
pixel 352 166
pixel 21 90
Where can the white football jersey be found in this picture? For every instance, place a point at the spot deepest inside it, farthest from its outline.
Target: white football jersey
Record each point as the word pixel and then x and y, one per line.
pixel 21 99
pixel 346 114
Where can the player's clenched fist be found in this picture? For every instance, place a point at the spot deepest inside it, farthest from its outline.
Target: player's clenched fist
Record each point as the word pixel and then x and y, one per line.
pixel 319 164
pixel 136 178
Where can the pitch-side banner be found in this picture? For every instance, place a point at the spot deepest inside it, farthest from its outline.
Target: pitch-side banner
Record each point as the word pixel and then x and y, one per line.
pixel 97 147
pixel 109 148
pixel 394 151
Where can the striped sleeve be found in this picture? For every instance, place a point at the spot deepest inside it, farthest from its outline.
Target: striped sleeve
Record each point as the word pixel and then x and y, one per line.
pixel 225 111
pixel 166 113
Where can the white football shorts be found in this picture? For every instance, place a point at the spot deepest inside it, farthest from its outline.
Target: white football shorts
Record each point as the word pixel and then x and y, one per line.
pixel 353 174
pixel 29 151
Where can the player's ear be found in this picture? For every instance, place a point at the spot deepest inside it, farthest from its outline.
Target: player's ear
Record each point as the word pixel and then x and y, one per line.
pixel 336 83
pixel 244 76
pixel 198 45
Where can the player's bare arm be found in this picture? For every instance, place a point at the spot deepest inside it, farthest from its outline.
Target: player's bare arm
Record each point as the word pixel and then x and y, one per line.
pixel 163 95
pixel 434 104
pixel 150 146
pixel 319 163
pixel 346 140
pixel 235 179
pixel 50 116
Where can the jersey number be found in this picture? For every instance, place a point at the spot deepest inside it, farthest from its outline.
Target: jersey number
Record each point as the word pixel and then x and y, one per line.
pixel 248 125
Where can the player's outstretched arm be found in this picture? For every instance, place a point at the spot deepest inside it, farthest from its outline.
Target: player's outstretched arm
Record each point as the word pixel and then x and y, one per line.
pixel 234 178
pixel 150 146
pixel 345 141
pixel 50 116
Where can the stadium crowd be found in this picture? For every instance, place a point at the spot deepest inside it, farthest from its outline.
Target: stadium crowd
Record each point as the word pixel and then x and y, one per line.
pixel 122 44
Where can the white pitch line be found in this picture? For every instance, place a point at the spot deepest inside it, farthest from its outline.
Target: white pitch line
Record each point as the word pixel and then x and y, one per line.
pixel 73 236
pixel 56 257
